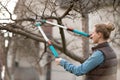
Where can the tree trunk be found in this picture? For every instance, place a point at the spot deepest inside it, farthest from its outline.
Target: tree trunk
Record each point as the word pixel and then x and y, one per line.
pixel 14 49
pixel 2 50
pixel 48 73
pixel 85 41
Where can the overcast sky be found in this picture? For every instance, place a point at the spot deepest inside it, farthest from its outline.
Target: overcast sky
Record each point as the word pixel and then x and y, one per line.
pixel 10 4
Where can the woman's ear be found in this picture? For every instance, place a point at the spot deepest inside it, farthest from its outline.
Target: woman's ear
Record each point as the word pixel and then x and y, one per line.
pixel 100 35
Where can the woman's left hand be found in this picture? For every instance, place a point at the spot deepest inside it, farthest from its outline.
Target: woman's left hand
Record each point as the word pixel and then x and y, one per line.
pixel 57 60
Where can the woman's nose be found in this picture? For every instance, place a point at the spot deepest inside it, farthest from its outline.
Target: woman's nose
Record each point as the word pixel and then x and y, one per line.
pixel 90 36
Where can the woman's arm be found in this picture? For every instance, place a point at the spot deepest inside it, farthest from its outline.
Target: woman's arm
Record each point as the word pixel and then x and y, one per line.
pixel 93 61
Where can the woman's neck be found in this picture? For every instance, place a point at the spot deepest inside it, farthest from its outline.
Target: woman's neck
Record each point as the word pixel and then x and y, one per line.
pixel 102 41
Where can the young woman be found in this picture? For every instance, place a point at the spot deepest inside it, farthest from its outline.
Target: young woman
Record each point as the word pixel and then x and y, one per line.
pixel 102 64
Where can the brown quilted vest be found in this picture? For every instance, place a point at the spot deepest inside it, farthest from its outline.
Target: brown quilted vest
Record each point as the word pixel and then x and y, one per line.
pixel 108 69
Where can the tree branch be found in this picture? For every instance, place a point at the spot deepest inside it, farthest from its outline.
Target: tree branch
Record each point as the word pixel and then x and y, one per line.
pixel 67 11
pixel 36 37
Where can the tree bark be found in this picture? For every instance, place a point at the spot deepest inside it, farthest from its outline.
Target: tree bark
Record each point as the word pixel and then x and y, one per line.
pixel 85 41
pixel 2 52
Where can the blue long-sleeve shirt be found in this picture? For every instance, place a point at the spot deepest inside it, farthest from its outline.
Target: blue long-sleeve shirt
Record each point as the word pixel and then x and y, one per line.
pixel 93 61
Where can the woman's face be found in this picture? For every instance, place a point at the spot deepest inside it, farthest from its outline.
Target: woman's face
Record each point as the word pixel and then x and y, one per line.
pixel 95 36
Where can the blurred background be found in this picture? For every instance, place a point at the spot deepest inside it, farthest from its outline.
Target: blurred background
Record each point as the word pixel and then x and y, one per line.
pixel 24 52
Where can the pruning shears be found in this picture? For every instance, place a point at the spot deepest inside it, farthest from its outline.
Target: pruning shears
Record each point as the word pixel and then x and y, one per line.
pixel 67 28
pixel 51 47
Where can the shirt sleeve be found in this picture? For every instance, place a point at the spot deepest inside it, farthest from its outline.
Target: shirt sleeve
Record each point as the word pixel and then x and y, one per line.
pixel 93 61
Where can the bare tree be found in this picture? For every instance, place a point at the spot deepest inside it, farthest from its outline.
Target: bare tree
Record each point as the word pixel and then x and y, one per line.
pixel 30 10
